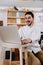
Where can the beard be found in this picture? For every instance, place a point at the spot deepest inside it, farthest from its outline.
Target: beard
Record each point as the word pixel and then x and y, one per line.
pixel 29 23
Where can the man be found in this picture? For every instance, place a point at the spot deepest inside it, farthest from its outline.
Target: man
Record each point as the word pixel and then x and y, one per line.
pixel 31 34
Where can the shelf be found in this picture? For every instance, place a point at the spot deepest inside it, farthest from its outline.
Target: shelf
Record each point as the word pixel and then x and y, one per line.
pixel 16 17
pixel 9 17
pixel 16 24
pixel 11 20
pixel 15 62
pixel 6 62
pixel 15 13
pixel 13 10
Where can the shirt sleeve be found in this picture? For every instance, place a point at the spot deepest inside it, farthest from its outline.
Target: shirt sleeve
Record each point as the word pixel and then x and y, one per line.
pixel 21 33
pixel 36 35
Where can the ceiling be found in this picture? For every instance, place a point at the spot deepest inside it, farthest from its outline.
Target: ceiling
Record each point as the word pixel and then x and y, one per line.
pixel 21 3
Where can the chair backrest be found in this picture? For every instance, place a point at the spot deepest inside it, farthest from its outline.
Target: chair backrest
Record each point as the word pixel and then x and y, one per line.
pixel 10 34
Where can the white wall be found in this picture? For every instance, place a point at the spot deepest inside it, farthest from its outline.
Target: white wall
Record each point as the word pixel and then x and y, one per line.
pixel 3 17
pixel 39 20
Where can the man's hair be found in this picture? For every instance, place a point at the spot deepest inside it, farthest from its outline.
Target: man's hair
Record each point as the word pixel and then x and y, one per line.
pixel 30 13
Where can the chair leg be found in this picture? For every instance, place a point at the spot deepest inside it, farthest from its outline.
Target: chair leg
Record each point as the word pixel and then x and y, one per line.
pixel 10 57
pixel 1 56
pixel 21 58
pixel 26 58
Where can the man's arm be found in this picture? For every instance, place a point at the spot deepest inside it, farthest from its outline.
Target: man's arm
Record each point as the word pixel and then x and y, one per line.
pixel 26 41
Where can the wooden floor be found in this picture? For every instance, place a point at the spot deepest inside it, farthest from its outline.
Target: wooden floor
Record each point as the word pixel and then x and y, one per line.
pixel 6 62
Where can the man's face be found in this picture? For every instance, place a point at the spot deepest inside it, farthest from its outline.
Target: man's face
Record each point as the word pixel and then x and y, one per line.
pixel 29 20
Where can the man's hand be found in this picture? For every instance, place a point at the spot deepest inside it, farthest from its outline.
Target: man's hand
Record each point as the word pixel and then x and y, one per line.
pixel 25 41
